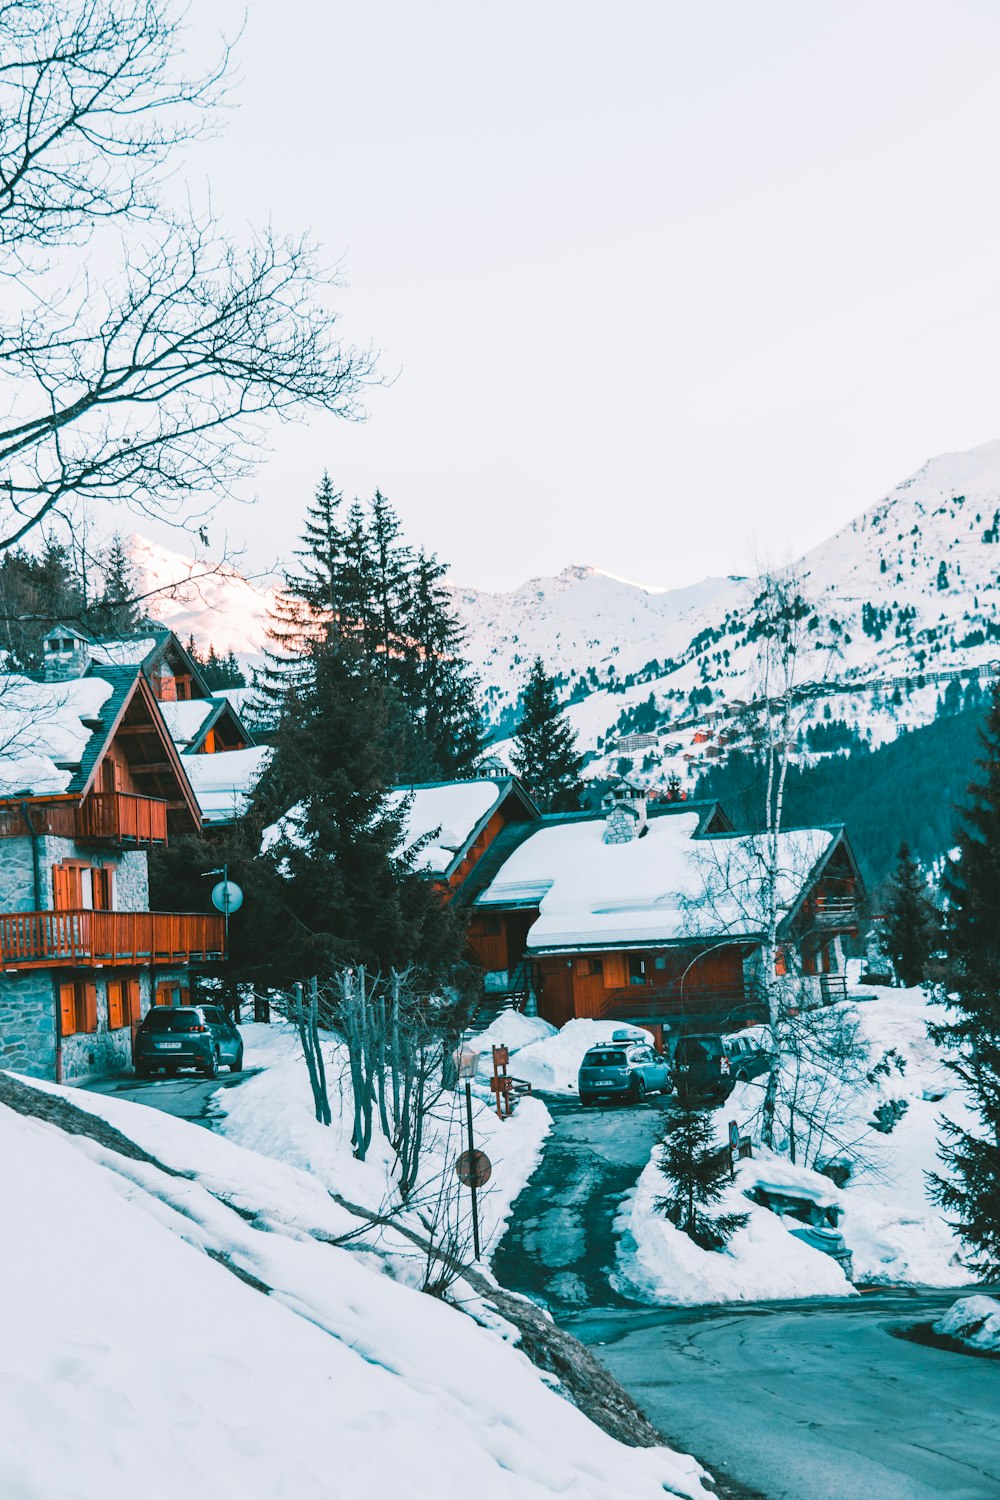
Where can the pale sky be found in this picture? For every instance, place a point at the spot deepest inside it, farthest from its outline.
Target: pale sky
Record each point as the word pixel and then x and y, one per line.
pixel 662 286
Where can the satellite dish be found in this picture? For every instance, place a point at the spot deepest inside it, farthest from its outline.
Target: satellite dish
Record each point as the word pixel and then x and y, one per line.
pixel 227 896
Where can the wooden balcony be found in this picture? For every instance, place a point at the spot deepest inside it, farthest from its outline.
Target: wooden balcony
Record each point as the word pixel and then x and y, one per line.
pixel 103 818
pixel 675 1003
pixel 95 939
pixel 836 913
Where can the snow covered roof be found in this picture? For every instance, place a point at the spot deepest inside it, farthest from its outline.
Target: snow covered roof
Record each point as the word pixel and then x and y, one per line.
pixel 186 717
pixel 451 812
pixel 46 729
pixel 223 782
pixel 669 886
pixel 130 651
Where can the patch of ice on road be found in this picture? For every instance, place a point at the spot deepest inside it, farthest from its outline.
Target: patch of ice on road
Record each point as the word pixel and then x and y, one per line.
pixel 974 1321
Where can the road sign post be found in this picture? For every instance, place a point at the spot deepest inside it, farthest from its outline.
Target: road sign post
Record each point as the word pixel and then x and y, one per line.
pixel 734 1146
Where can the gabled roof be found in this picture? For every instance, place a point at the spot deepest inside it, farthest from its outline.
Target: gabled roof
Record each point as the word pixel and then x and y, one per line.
pixel 676 883
pixel 450 815
pixel 224 782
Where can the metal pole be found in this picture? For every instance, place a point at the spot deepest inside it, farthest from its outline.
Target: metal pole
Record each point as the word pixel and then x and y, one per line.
pixel 472 1184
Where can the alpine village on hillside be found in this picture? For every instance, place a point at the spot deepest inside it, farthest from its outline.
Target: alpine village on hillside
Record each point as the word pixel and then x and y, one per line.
pixel 474 1040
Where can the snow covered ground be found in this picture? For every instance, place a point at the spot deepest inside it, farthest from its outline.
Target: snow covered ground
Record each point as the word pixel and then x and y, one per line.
pixel 895 1233
pixel 182 1329
pixel 273 1113
pixel 553 1062
pixel 974 1321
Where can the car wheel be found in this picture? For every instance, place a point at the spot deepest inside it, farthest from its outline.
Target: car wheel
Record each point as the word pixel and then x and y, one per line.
pixel 588 1099
pixel 236 1066
pixel 211 1068
pixel 638 1089
pixel 142 1070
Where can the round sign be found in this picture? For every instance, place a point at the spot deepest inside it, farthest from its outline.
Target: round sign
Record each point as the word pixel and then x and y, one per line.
pixel 474 1168
pixel 227 896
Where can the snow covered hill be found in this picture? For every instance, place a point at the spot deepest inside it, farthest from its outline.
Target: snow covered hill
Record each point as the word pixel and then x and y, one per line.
pixel 181 1320
pixel 904 599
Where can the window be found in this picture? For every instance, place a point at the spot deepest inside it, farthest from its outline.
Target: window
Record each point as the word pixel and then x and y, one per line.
pixel 591 965
pixel 172 992
pixel 77 1007
pixel 102 887
pixel 636 970
pixel 81 887
pixel 124 1003
pixel 492 926
pixel 660 961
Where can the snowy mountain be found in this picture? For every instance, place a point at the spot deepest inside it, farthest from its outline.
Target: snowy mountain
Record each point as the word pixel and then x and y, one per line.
pixel 903 598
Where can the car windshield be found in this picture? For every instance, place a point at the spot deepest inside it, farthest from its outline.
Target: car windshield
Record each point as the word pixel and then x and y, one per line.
pixel 604 1059
pixel 695 1049
pixel 172 1020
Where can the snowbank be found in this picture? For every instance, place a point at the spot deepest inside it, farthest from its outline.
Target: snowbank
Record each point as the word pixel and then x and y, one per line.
pixel 554 1062
pixel 896 1234
pixel 272 1113
pixel 513 1030
pixel 163 1343
pixel 974 1321
pixel 762 1261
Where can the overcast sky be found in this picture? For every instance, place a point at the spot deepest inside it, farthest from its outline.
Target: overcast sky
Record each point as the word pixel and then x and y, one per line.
pixel 662 286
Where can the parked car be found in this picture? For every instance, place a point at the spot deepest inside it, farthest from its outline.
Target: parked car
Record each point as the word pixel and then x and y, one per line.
pixel 709 1065
pixel 625 1067
pixel 186 1036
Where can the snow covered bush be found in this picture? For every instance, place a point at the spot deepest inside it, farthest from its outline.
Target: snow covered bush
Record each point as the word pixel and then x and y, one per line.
pixel 974 1321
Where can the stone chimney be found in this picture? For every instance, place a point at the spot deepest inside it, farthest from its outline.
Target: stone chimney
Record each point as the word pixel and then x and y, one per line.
pixel 66 654
pixel 625 812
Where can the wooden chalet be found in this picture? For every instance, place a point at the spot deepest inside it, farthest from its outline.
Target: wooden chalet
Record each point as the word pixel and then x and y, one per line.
pixel 90 779
pixel 654 915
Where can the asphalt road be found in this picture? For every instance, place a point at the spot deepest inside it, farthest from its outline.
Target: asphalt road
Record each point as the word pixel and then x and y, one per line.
pixel 560 1246
pixel 185 1095
pixel 813 1400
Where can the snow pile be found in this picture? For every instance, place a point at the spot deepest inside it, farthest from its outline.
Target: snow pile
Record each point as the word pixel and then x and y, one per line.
pixel 895 1233
pixel 177 1346
pixel 511 1029
pixel 272 1113
pixel 762 1261
pixel 554 1062
pixel 974 1321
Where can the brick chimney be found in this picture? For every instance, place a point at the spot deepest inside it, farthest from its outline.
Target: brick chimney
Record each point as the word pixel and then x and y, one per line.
pixel 66 654
pixel 625 812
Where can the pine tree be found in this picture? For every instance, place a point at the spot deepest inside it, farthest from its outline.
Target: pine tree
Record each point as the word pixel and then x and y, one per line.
pixel 912 921
pixel 36 593
pixel 116 611
pixel 436 682
pixel 970 1192
pixel 697 1172
pixel 337 886
pixel 545 756
pixel 673 791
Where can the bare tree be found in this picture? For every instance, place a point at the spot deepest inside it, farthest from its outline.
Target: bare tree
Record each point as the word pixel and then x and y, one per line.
pixel 142 382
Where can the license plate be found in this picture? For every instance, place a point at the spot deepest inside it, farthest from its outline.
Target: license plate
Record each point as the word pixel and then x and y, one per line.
pixel 167 1046
pixel 606 1082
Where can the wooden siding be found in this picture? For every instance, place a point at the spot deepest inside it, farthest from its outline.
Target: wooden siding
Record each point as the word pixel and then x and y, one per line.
pixel 477 849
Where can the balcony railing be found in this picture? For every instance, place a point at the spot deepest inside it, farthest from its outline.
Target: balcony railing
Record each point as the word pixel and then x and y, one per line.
pixel 833 911
pixel 104 817
pixel 123 818
pixel 666 1002
pixel 89 939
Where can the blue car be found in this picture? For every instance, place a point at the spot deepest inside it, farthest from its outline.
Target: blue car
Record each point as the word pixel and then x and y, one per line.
pixel 625 1068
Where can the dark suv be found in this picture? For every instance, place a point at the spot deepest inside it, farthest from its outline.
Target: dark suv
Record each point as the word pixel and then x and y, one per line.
pixel 186 1036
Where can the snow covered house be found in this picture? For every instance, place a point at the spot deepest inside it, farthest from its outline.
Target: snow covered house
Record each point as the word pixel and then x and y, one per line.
pixel 202 723
pixel 656 915
pixel 90 779
pixel 458 827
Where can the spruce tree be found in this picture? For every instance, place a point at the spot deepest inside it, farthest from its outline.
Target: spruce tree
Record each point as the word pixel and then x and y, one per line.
pixel 545 756
pixel 116 611
pixel 336 885
pixel 697 1173
pixel 912 921
pixel 970 1192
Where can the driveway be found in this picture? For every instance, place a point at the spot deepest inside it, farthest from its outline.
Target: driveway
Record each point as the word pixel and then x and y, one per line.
pixel 185 1095
pixel 812 1400
pixel 560 1245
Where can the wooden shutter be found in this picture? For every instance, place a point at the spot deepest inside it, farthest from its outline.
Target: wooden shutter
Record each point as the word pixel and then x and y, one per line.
pixel 133 1000
pixel 164 994
pixel 89 1007
pixel 61 888
pixel 103 887
pixel 115 1021
pixel 67 1009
